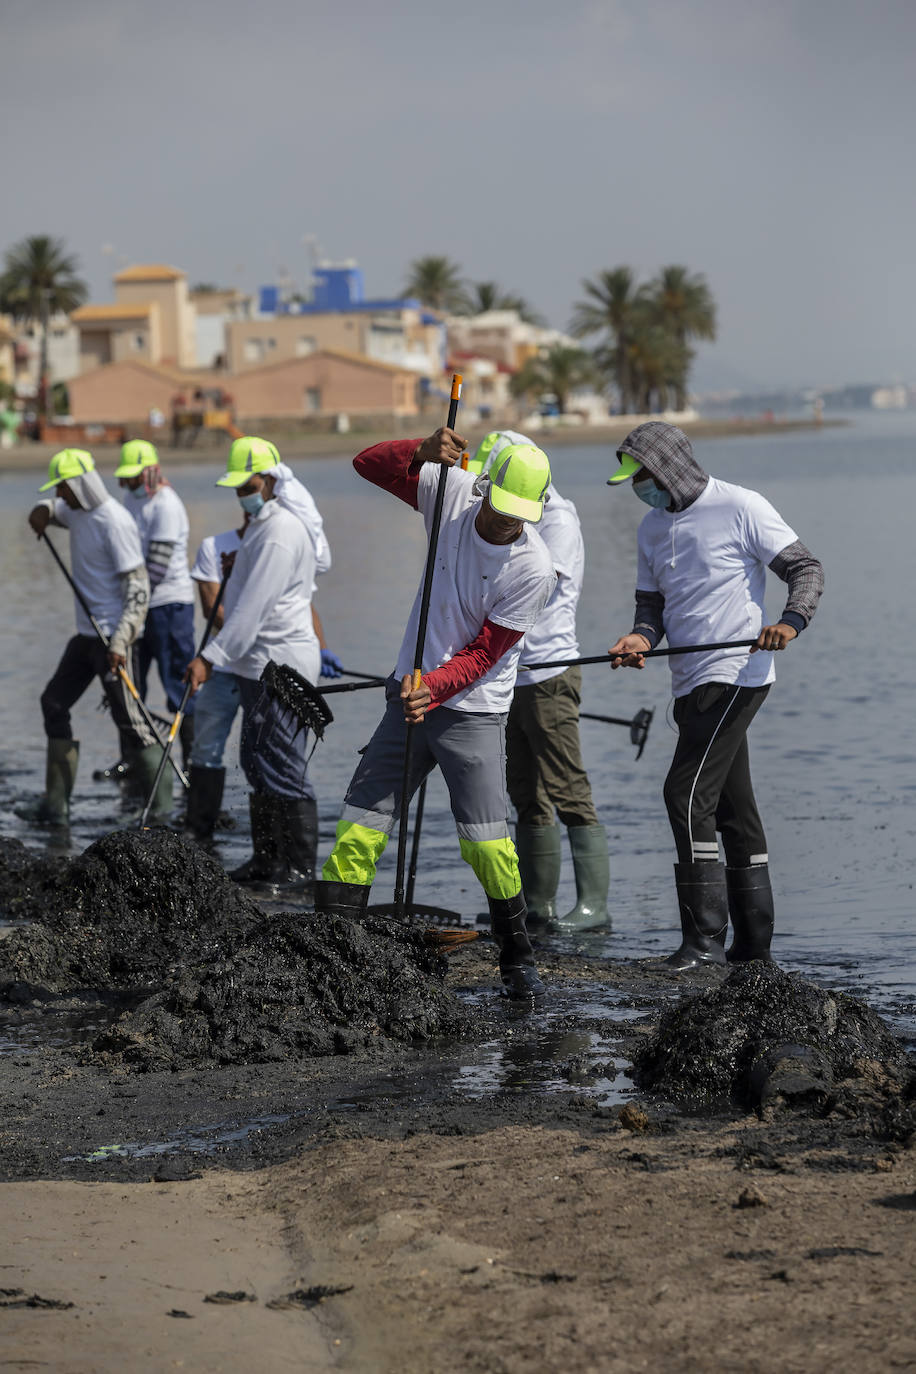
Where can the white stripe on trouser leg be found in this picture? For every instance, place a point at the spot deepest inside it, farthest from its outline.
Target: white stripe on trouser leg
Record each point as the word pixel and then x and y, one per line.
pixel 700 769
pixel 758 859
pixel 702 849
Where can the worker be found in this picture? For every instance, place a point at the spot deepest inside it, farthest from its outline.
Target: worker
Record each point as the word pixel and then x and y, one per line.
pixel 162 523
pixel 492 578
pixel 544 768
pixel 268 618
pixel 109 571
pixel 218 700
pixel 704 549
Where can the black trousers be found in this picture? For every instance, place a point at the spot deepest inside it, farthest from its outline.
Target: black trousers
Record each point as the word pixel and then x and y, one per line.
pixel 708 787
pixel 85 659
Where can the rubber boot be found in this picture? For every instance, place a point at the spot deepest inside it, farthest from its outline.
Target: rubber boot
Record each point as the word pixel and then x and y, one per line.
pixel 538 849
pixel 299 844
pixel 750 906
pixel 341 899
pixel 148 761
pixel 205 797
pixel 703 904
pixel 266 864
pixel 593 877
pixel 516 957
pixel 53 808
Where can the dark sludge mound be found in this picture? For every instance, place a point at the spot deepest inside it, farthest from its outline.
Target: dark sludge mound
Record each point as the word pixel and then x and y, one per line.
pixel 768 1038
pixel 121 917
pixel 300 985
pixel 25 877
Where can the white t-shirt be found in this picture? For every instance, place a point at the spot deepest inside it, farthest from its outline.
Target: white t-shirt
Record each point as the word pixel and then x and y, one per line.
pixel 163 516
pixel 208 565
pixel 553 635
pixel 104 544
pixel 709 562
pixel 268 600
pixel 474 581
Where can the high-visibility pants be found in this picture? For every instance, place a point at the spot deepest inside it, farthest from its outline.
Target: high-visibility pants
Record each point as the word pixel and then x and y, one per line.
pixel 470 749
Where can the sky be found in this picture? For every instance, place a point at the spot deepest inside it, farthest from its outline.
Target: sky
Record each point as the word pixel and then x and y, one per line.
pixel 767 146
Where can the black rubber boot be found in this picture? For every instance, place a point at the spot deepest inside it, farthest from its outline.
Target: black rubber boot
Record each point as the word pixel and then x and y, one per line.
pixel 341 899
pixel 750 906
pixel 516 957
pixel 299 844
pixel 538 849
pixel 266 864
pixel 205 797
pixel 703 904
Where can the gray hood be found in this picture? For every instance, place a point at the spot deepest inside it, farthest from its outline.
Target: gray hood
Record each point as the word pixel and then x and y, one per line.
pixel 89 489
pixel 666 452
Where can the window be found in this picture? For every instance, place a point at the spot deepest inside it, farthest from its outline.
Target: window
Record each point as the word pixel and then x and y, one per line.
pixel 139 342
pixel 313 399
pixel 253 350
pixel 305 345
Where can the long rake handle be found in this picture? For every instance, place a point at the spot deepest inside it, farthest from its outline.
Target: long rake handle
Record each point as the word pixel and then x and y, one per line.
pixel 122 672
pixel 418 654
pixel 179 714
pixel 648 653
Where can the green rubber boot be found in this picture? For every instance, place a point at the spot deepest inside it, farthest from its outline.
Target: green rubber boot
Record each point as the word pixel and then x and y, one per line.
pixel 148 761
pixel 60 774
pixel 538 849
pixel 593 878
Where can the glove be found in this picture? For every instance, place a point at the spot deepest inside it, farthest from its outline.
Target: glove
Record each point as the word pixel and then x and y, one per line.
pixel 331 665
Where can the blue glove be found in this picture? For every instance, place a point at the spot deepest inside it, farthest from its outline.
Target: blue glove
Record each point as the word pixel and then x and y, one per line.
pixel 331 665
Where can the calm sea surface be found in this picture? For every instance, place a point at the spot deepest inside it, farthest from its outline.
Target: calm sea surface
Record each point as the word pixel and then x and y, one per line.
pixel 833 750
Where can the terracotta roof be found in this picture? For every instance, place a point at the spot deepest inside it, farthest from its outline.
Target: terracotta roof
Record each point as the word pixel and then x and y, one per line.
pixel 342 354
pixel 119 311
pixel 154 271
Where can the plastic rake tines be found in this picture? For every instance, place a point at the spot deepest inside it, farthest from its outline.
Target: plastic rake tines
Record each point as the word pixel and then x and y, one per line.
pixel 297 695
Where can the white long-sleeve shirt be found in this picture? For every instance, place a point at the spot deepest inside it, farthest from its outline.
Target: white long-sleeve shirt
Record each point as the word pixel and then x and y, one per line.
pixel 269 600
pixel 296 497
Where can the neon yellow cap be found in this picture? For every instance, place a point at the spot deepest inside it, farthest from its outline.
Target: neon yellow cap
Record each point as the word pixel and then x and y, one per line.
pixel 70 462
pixel 628 465
pixel 518 482
pixel 136 455
pixel 248 455
pixel 481 460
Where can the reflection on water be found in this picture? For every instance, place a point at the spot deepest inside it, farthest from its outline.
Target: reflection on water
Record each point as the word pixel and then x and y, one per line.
pixel 832 751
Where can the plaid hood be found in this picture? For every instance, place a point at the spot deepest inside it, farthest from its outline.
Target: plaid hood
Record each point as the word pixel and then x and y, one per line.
pixel 666 452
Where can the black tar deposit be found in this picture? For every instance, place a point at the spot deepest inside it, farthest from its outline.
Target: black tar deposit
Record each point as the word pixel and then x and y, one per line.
pixel 120 918
pixel 151 912
pixel 300 985
pixel 764 1037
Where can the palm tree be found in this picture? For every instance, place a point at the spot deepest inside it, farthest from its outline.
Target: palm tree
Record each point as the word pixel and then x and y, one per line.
pixel 558 371
pixel 39 280
pixel 486 295
pixel 658 364
pixel 611 309
pixel 685 307
pixel 436 281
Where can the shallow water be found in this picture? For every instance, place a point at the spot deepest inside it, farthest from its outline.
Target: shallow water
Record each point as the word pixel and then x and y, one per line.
pixel 832 751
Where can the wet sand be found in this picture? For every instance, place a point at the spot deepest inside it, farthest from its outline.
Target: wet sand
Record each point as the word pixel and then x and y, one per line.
pixel 528 1225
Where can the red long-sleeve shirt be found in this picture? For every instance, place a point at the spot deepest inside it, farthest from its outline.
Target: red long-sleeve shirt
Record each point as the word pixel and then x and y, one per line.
pixel 391 466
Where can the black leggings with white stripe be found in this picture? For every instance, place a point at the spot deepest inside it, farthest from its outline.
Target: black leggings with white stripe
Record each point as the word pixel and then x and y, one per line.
pixel 708 787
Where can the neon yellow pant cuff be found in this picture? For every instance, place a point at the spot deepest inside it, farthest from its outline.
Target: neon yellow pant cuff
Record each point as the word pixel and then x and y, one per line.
pixel 356 852
pixel 495 863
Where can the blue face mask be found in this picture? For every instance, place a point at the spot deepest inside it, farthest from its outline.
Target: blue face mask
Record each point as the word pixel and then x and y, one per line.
pixel 252 504
pixel 655 496
pixel 138 493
